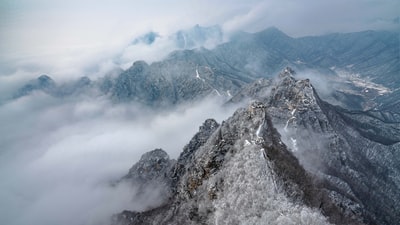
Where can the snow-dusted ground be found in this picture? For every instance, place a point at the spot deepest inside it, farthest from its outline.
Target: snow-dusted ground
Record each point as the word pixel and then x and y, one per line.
pixel 362 82
pixel 250 194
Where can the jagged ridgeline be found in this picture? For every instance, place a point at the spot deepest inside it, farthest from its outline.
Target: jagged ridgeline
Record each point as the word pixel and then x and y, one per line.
pixel 287 158
pixel 361 68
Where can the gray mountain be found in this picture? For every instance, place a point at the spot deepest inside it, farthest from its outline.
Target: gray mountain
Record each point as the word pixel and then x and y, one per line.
pixel 369 54
pixel 359 67
pixel 47 85
pixel 184 76
pixel 289 158
pixel 149 179
pixel 43 83
pixel 146 39
pixel 152 165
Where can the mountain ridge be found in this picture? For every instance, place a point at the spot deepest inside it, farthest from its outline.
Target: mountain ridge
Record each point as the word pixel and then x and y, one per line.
pixel 278 128
pixel 344 61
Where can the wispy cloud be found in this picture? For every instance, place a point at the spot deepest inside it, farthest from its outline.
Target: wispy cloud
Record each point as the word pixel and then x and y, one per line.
pixel 65 38
pixel 58 159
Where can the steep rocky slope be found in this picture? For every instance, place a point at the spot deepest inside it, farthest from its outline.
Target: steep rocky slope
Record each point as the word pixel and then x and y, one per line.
pixel 287 158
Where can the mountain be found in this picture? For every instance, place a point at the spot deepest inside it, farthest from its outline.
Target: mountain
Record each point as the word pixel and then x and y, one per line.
pixel 288 158
pixel 42 83
pixel 146 39
pixel 357 71
pixel 47 85
pixel 355 152
pixel 369 54
pixel 149 178
pixel 184 76
pixel 304 151
pixel 360 68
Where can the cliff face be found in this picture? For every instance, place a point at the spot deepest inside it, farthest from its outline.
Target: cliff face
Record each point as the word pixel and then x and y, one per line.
pixel 288 158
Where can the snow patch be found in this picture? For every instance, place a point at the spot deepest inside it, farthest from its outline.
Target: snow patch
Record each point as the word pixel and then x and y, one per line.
pixel 294 144
pixel 262 154
pixel 362 82
pixel 286 126
pixel 198 76
pixel 259 129
pixel 251 195
pixel 219 94
pixel 288 121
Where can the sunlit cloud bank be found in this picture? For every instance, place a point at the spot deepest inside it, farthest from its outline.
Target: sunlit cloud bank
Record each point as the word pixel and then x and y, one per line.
pixel 58 159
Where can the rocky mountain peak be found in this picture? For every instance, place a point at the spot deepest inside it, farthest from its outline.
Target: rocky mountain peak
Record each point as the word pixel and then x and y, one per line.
pixel 284 92
pixel 43 83
pixel 147 39
pixel 152 165
pixel 138 67
pixel 287 72
pixel 209 124
pixel 289 93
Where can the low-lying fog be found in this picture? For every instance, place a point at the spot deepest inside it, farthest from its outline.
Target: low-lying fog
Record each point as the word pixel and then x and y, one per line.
pixel 58 157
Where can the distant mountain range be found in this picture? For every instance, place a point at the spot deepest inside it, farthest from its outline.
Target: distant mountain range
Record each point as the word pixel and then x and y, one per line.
pixel 361 68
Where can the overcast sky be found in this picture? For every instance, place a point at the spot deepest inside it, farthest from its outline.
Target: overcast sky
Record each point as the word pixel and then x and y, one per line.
pixel 53 36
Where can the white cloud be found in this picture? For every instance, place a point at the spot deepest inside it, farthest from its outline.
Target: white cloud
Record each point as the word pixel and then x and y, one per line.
pixel 59 157
pixel 311 17
pixel 72 38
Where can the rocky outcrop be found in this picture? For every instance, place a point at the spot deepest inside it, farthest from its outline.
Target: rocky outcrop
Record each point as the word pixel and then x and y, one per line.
pixel 150 180
pixel 152 166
